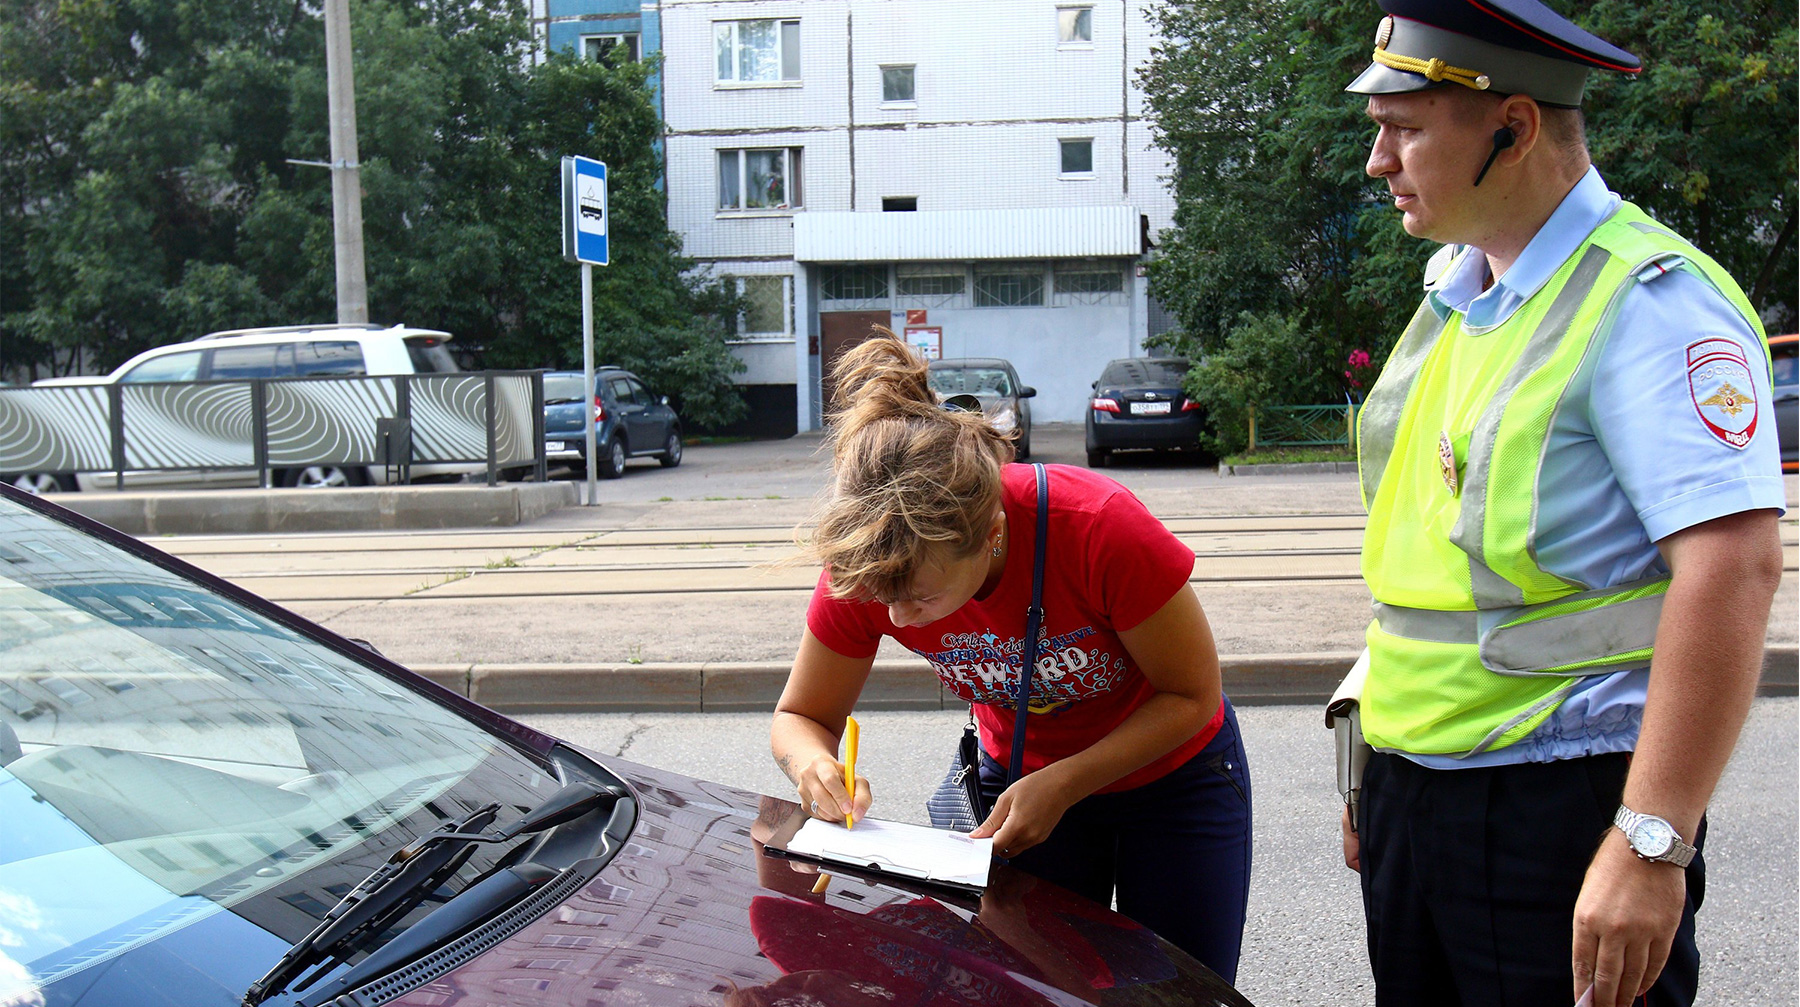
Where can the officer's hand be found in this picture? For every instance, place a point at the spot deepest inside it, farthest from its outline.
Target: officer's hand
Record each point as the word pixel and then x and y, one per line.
pixel 1625 921
pixel 1352 844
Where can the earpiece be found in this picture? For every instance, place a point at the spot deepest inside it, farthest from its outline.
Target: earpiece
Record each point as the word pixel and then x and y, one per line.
pixel 1503 138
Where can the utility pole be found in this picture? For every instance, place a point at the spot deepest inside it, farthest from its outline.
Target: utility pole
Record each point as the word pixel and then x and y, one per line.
pixel 346 180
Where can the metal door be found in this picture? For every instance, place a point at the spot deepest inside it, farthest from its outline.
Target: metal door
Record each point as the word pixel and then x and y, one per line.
pixel 839 331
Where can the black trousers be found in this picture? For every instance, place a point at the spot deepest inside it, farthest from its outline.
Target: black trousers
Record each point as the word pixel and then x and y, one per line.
pixel 1470 876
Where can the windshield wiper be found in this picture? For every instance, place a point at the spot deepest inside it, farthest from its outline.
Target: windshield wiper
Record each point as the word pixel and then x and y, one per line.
pixel 413 872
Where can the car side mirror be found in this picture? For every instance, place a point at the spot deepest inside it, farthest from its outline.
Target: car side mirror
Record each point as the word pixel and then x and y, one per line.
pixel 1026 391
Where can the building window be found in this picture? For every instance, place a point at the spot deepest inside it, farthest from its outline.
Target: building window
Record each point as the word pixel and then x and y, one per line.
pixel 891 204
pixel 897 83
pixel 1075 25
pixel 767 308
pixel 931 285
pixel 1077 157
pixel 759 179
pixel 859 286
pixel 619 48
pixel 1009 285
pixel 1087 281
pixel 757 52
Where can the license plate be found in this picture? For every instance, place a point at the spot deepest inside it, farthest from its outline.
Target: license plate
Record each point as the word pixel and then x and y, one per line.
pixel 555 446
pixel 1149 408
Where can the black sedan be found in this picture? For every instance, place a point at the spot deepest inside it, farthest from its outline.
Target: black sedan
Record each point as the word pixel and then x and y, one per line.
pixel 211 802
pixel 1139 403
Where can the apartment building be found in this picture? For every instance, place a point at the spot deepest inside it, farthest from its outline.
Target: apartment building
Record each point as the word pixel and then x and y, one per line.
pixel 622 29
pixel 978 176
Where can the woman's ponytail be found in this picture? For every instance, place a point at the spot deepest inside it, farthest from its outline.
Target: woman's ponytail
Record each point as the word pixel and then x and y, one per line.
pixel 911 478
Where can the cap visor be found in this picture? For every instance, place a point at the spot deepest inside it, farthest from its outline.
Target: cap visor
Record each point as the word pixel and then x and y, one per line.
pixel 1379 79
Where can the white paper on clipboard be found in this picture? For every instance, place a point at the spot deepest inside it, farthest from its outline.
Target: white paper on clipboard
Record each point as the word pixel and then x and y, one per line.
pixel 913 851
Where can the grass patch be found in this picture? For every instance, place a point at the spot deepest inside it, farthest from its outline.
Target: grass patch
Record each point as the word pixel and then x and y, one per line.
pixel 449 578
pixel 1288 456
pixel 719 440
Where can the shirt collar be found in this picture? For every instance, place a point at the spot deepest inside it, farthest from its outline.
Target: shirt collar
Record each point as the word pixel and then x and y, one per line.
pixel 1586 206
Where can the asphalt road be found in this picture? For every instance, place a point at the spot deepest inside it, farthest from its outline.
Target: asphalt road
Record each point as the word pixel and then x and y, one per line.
pixel 1303 941
pixel 1304 944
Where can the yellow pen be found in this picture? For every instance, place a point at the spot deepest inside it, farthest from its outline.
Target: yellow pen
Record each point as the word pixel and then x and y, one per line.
pixel 850 733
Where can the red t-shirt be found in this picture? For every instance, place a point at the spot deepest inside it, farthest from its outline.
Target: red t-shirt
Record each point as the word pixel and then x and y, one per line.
pixel 1110 566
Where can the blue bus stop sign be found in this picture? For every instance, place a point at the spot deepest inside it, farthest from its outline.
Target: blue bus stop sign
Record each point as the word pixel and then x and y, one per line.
pixel 585 213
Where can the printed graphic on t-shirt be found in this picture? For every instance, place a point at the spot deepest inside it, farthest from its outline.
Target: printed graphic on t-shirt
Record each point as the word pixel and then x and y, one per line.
pixel 983 667
pixel 1723 391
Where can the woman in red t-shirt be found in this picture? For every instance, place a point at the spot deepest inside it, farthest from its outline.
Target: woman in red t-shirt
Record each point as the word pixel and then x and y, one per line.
pixel 1134 779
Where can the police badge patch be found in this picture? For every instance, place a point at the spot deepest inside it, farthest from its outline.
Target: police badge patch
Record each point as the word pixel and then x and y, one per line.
pixel 1723 391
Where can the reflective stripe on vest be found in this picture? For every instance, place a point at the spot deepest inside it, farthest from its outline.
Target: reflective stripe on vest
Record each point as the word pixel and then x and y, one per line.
pixel 1473 642
pixel 1378 419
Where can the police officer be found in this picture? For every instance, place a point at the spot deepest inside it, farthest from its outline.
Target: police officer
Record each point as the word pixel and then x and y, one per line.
pixel 1572 479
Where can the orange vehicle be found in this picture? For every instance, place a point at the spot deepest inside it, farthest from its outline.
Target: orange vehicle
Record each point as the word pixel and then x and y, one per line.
pixel 1784 354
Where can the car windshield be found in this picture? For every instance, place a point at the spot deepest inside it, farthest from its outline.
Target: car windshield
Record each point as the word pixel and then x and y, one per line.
pixel 167 754
pixel 1156 372
pixel 974 380
pixel 562 388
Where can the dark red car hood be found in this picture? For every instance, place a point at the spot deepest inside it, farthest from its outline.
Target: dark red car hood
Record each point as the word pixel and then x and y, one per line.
pixel 692 912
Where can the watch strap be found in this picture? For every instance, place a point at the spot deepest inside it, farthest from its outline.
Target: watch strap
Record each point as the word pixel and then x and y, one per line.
pixel 1679 853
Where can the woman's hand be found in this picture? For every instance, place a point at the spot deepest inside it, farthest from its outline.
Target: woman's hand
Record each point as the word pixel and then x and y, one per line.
pixel 1027 811
pixel 821 786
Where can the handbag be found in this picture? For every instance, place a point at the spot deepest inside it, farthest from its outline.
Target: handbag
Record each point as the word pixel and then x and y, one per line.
pixel 957 804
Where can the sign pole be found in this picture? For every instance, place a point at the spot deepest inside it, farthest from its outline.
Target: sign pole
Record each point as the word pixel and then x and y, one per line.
pixel 587 379
pixel 584 227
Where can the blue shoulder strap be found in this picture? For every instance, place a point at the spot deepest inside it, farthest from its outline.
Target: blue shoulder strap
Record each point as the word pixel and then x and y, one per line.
pixel 1034 619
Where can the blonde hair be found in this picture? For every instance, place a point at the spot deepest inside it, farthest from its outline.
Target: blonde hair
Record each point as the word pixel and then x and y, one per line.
pixel 912 481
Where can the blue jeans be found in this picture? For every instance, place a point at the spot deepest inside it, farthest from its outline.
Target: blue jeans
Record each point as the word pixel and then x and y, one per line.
pixel 1176 850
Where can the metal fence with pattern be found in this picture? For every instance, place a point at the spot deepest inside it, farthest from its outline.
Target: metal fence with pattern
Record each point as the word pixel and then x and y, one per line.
pixel 1302 426
pixel 270 424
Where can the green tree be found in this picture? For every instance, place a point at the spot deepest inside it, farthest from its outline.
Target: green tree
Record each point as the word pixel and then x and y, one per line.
pixel 146 194
pixel 1285 258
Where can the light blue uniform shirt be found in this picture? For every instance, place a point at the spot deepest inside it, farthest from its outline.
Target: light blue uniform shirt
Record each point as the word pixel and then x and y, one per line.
pixel 1632 460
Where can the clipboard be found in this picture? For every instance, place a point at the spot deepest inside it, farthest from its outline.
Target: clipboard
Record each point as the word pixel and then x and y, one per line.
pixel 869 868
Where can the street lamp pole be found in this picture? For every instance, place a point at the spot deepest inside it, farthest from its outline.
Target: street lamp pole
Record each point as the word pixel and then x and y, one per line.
pixel 346 182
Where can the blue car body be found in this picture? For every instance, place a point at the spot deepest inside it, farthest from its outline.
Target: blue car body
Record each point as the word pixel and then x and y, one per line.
pixel 631 422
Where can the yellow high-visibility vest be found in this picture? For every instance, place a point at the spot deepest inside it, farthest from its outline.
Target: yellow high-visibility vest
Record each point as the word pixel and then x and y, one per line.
pixel 1473 643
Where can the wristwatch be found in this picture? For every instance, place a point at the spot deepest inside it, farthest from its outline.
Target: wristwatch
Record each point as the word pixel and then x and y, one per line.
pixel 1653 838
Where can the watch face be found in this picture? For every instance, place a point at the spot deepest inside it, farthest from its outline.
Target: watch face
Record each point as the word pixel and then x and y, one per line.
pixel 1652 837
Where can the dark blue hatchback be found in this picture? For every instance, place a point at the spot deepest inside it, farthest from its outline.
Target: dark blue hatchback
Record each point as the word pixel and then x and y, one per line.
pixel 629 422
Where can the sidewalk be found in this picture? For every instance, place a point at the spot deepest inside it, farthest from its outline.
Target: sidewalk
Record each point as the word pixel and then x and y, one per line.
pixel 532 618
pixel 1250 680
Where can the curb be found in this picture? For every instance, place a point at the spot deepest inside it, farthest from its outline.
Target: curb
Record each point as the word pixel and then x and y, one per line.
pixel 1250 680
pixel 361 508
pixel 1288 469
